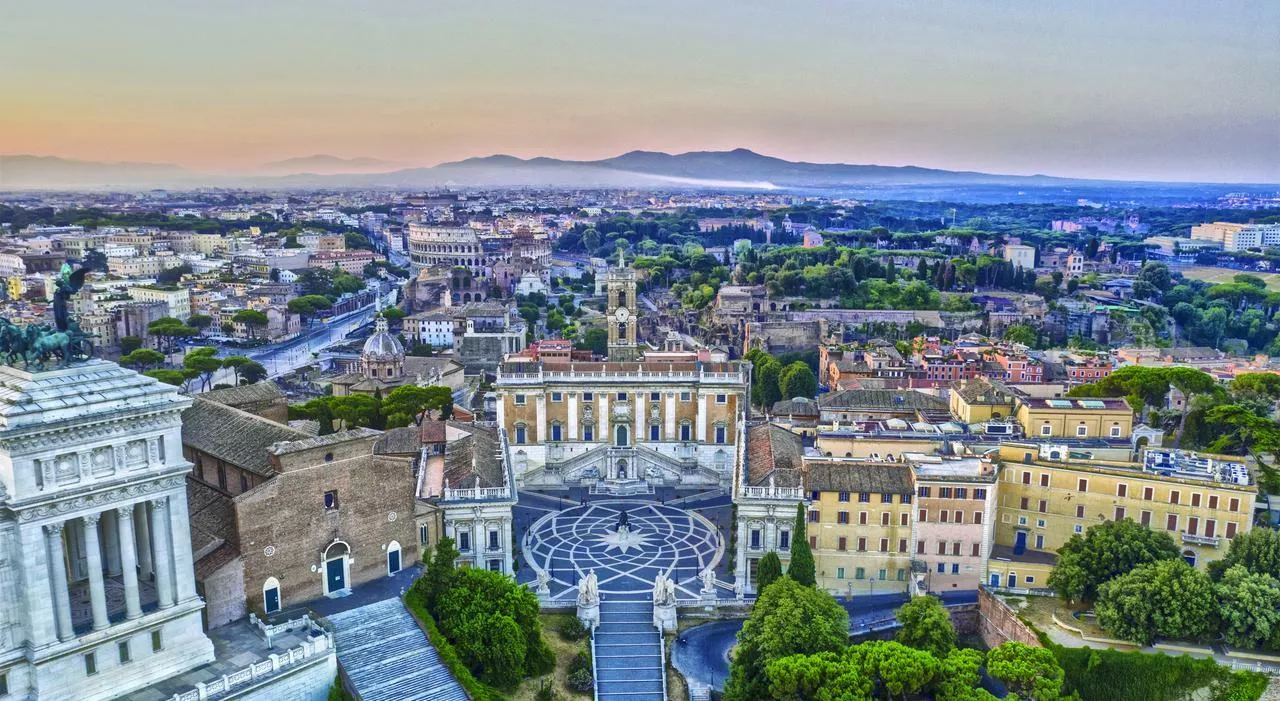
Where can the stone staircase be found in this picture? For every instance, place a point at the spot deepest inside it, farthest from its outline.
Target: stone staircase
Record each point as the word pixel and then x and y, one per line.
pixel 387 657
pixel 628 653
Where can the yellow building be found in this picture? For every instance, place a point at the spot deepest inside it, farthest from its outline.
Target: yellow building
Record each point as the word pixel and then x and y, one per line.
pixel 980 399
pixel 859 525
pixel 1202 501
pixel 1076 418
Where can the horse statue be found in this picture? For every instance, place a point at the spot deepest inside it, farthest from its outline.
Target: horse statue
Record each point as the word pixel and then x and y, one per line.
pixel 13 342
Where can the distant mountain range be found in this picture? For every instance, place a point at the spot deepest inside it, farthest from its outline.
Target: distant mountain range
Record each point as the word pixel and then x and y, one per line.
pixel 325 164
pixel 739 168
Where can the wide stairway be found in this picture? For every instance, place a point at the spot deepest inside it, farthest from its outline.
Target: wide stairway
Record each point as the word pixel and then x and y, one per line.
pixel 628 653
pixel 387 657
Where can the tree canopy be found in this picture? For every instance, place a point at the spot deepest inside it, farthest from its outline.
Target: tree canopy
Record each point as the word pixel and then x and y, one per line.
pixel 926 625
pixel 1168 599
pixel 1104 551
pixel 787 619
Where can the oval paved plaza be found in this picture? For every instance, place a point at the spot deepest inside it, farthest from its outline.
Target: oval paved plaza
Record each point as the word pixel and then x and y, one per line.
pixel 569 543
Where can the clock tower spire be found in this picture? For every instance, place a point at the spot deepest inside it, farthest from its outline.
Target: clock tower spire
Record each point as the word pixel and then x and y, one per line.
pixel 621 312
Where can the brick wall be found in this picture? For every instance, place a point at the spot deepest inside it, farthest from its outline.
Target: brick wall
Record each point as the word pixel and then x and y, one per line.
pixel 999 623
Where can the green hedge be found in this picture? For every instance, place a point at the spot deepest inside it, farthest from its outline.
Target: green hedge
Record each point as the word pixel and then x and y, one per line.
pixel 476 690
pixel 1139 676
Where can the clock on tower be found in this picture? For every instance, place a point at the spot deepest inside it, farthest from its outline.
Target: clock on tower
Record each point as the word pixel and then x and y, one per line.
pixel 621 312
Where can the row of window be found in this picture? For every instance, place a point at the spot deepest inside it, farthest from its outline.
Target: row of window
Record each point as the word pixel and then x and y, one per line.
pixel 521 399
pixel 842 544
pixel 952 492
pixel 863 497
pixel 756 539
pixel 861 573
pixel 1148 493
pixel 494 544
pixel 124 653
pixel 954 546
pixel 1082 430
pixel 950 516
pixel 842 518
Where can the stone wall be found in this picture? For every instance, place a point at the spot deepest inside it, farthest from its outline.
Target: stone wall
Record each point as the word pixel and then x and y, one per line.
pixel 999 623
pixel 305 683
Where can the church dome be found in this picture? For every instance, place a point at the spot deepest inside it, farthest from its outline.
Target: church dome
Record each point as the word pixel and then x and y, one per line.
pixel 382 345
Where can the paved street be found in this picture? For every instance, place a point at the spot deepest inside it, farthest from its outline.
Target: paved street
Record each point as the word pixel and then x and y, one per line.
pixel 283 358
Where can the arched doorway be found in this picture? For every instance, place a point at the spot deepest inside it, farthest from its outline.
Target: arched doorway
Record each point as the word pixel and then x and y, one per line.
pixel 336 559
pixel 622 469
pixel 393 558
pixel 1190 557
pixel 271 596
pixel 622 438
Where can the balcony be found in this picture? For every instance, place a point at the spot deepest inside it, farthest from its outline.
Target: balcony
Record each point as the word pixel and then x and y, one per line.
pixel 1192 539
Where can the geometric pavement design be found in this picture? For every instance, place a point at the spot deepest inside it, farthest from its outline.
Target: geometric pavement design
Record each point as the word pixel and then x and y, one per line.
pixel 568 544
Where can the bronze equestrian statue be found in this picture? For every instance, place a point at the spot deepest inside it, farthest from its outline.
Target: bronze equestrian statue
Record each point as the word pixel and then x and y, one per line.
pixel 37 343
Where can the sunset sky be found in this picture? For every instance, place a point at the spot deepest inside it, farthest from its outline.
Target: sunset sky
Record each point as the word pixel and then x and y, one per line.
pixel 1167 90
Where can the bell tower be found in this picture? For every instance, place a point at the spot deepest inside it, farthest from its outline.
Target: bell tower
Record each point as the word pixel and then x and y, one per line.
pixel 621 312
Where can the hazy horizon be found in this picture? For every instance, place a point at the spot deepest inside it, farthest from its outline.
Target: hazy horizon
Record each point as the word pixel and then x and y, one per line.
pixel 1124 90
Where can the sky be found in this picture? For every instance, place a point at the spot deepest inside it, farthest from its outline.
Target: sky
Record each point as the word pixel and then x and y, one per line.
pixel 1122 89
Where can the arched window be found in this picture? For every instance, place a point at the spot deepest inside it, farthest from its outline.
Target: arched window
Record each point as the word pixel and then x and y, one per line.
pixel 686 431
pixel 271 595
pixel 393 558
pixel 622 437
pixel 722 461
pixel 722 434
pixel 557 431
pixel 522 434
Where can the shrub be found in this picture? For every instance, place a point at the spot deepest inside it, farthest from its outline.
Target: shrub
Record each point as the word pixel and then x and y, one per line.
pixel 1138 676
pixel 572 629
pixel 580 676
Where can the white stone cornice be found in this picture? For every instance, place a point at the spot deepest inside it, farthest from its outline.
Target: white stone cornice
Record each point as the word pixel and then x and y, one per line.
pixel 61 507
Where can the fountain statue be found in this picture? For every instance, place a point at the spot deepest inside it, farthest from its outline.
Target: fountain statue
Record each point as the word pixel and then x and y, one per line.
pixel 708 581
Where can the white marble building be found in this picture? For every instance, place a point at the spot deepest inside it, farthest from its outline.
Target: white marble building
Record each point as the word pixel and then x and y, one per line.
pixel 97 592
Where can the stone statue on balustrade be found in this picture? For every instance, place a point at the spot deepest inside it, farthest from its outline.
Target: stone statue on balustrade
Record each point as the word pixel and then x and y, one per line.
pixel 664 603
pixel 589 600
pixel 542 583
pixel 708 582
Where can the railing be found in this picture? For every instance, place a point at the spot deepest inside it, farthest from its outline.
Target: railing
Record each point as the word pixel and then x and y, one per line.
pixel 320 644
pixel 471 493
pixel 1201 539
pixel 662 662
pixel 595 667
pixel 796 493
pixel 270 630
pixel 646 375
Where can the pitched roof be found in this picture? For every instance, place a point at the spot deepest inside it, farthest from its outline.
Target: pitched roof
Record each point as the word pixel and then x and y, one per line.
pixel 982 390
pixel 800 406
pixel 245 394
pixel 773 451
pixel 234 436
pixel 471 452
pixel 891 478
pixel 399 441
pixel 884 399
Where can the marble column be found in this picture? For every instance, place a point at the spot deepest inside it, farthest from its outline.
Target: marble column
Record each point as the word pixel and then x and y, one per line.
pixel 771 534
pixel 58 576
pixel 143 529
pixel 111 542
pixel 184 576
pixel 93 557
pixel 161 551
pixel 702 418
pixel 479 543
pixel 128 562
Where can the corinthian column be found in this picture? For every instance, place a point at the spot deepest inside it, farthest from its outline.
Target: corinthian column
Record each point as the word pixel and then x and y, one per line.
pixel 161 552
pixel 58 575
pixel 93 560
pixel 128 562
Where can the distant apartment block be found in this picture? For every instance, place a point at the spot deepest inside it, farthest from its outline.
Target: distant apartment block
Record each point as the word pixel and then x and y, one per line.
pixel 1238 237
pixel 1021 256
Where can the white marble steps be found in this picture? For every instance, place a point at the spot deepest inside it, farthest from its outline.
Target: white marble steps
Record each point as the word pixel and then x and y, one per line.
pixel 628 662
pixel 388 658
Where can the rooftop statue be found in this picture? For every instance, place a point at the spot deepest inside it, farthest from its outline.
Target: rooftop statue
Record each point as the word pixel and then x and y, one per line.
pixel 36 344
